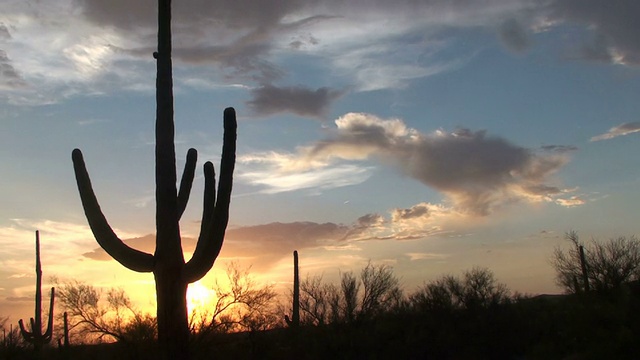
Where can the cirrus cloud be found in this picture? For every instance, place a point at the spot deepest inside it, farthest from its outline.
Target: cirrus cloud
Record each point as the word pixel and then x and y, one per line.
pixel 620 130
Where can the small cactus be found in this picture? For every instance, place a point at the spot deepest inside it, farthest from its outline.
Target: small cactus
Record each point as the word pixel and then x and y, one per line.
pixel 65 344
pixel 295 317
pixel 36 337
pixel 583 265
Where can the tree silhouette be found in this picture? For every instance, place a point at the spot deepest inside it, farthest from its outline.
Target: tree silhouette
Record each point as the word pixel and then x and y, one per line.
pixel 171 273
pixel 600 265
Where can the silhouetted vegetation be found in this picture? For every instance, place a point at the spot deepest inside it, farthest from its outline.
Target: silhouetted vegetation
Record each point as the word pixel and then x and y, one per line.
pixel 91 319
pixel 242 305
pixel 599 265
pixel 366 316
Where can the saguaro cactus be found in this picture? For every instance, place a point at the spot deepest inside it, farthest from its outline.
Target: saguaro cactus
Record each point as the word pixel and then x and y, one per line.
pixel 36 337
pixel 583 267
pixel 65 333
pixel 172 275
pixel 295 317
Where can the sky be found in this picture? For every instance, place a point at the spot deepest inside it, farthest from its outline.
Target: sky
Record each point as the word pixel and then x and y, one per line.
pixel 431 136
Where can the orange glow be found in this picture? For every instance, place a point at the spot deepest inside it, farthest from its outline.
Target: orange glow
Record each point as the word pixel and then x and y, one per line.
pixel 199 296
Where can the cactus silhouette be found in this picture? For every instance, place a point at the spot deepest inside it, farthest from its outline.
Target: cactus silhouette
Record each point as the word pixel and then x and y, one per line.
pixel 36 337
pixel 65 333
pixel 295 317
pixel 583 267
pixel 172 275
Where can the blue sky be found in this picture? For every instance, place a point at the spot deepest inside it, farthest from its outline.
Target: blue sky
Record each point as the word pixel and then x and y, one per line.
pixel 430 135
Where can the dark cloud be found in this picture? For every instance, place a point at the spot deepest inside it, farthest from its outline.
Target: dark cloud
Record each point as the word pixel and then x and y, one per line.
pixel 235 35
pixel 146 243
pixel 4 32
pixel 615 23
pixel 263 245
pixel 475 170
pixel 9 76
pixel 234 14
pixel 370 220
pixel 420 210
pixel 243 58
pixel 514 36
pixel 559 148
pixel 268 99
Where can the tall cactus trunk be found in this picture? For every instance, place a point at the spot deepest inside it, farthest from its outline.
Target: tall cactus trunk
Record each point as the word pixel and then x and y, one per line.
pixel 295 317
pixel 36 337
pixel 583 266
pixel 66 329
pixel 171 290
pixel 172 275
pixel 173 325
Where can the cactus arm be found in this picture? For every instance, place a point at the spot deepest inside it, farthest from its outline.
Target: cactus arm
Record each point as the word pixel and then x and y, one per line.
pixel 187 181
pixel 215 218
pixel 227 162
pixel 47 334
pixel 131 258
pixel 26 334
pixel 197 266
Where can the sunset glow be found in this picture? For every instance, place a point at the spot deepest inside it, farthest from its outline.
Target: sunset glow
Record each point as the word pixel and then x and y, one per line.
pixel 199 297
pixel 429 136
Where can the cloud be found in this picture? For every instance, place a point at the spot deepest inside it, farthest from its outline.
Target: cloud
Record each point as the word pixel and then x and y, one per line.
pixel 261 245
pixel 615 25
pixel 426 256
pixel 19 298
pixel 620 130
pixel 103 45
pixel 269 99
pixel 559 148
pixel 280 172
pixel 476 172
pixel 572 201
pixel 145 243
pixel 10 78
pixel 514 36
pixel 4 32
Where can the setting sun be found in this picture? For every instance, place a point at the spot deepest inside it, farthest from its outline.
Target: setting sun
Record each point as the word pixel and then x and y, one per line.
pixel 199 296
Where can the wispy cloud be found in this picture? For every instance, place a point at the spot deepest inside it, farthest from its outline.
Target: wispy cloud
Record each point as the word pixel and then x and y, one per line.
pixel 426 256
pixel 104 44
pixel 281 172
pixel 571 201
pixel 620 130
